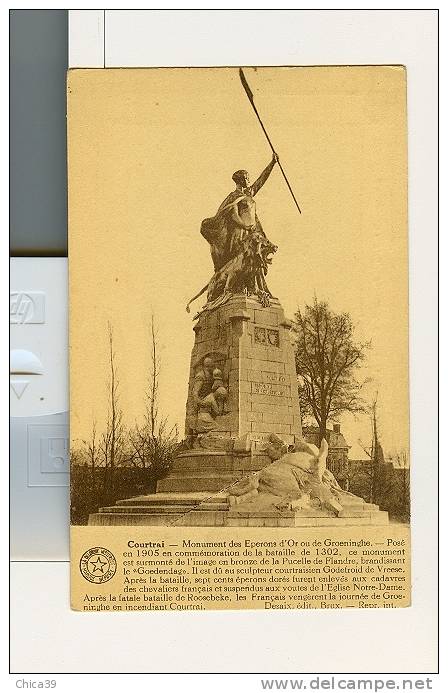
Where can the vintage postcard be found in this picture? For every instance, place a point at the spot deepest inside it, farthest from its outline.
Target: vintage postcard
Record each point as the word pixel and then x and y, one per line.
pixel 239 338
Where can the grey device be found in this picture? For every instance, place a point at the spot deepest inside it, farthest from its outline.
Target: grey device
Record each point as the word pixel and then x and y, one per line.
pixel 39 463
pixel 38 132
pixel 40 488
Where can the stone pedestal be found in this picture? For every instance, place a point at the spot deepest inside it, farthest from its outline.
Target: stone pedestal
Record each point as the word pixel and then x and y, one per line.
pixel 252 346
pixel 201 470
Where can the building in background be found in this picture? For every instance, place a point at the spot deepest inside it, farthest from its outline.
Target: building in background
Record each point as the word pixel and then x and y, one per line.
pixel 379 478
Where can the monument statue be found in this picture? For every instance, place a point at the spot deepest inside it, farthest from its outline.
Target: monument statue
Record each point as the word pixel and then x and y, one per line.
pixel 240 249
pixel 244 461
pixel 297 479
pixel 236 217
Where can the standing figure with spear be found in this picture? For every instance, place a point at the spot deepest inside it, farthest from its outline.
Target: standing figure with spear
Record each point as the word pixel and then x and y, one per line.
pixel 239 247
pixel 237 216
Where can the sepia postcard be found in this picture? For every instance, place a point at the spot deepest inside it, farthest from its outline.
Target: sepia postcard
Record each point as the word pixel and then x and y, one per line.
pixel 239 405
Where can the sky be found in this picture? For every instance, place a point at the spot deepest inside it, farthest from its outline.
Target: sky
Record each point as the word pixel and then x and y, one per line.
pixel 151 153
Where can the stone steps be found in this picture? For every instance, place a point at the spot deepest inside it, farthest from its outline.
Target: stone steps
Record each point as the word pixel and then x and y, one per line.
pixel 168 503
pixel 190 519
pixel 187 499
pixel 202 509
pixel 198 518
pixel 202 481
pixel 358 513
pixel 164 508
pixel 364 507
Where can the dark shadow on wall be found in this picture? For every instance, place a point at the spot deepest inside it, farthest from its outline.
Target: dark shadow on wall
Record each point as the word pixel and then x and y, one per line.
pixel 38 142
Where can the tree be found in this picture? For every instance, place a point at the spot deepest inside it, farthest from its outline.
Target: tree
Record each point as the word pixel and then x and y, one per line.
pixel 153 443
pixel 378 471
pixel 92 450
pixel 403 475
pixel 372 468
pixel 327 359
pixel 122 461
pixel 112 443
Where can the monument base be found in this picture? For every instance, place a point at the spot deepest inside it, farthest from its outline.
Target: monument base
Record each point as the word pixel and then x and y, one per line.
pixel 209 470
pixel 242 413
pixel 202 509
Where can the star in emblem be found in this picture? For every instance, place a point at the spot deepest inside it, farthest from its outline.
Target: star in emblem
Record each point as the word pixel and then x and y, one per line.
pixel 98 565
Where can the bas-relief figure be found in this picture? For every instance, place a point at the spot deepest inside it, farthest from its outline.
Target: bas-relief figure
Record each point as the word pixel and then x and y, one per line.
pixel 210 395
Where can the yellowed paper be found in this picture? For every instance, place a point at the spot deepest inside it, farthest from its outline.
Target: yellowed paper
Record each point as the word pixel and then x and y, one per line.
pixel 202 476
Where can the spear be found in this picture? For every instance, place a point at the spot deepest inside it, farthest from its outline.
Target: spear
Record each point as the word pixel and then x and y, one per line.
pixel 250 96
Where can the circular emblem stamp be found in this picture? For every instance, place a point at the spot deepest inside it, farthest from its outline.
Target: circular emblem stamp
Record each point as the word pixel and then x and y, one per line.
pixel 98 565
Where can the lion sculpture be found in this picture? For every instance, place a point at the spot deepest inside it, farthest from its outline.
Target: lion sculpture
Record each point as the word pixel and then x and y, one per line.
pixel 244 273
